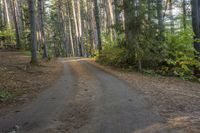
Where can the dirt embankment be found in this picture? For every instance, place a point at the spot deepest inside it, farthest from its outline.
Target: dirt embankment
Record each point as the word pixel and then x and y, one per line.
pixel 20 81
pixel 178 101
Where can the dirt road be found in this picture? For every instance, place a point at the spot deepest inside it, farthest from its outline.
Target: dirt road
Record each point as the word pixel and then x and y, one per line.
pixel 85 99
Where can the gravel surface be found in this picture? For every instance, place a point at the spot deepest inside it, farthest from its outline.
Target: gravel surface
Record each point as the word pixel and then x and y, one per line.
pixel 91 98
pixel 86 99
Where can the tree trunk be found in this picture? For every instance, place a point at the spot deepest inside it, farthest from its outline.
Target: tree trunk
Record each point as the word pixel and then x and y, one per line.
pixel 97 20
pixel 79 23
pixel 196 29
pixel 196 22
pixel 111 19
pixel 7 14
pixel 1 15
pixel 62 26
pixel 171 16
pixel 160 18
pixel 70 30
pixel 130 14
pixel 1 21
pixel 117 12
pixel 184 14
pixel 16 25
pixel 33 32
pixel 76 28
pixel 43 36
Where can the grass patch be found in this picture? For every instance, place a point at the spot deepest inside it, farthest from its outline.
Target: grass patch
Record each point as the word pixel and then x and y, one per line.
pixel 5 95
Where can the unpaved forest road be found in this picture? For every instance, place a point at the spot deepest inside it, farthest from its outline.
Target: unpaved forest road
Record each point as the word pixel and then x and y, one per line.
pixel 85 99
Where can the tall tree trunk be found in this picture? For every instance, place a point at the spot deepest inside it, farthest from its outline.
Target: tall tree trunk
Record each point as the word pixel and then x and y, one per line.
pixel 130 15
pixel 73 28
pixel 62 26
pixel 1 20
pixel 171 16
pixel 85 24
pixel 71 38
pixel 79 20
pixel 160 18
pixel 196 29
pixel 16 25
pixel 97 20
pixel 1 15
pixel 8 24
pixel 196 22
pixel 117 12
pixel 92 32
pixel 21 12
pixel 76 29
pixel 43 36
pixel 33 32
pixel 111 19
pixel 70 30
pixel 184 14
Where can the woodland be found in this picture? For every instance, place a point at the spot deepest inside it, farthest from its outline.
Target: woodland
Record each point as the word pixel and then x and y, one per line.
pixel 100 66
pixel 151 36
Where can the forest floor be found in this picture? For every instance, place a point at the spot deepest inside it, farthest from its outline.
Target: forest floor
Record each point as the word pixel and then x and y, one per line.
pixel 20 82
pixel 92 98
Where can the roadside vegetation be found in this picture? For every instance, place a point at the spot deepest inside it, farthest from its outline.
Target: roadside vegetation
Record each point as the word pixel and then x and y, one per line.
pixel 176 57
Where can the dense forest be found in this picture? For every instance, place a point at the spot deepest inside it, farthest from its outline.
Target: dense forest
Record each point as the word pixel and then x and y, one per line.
pixel 159 36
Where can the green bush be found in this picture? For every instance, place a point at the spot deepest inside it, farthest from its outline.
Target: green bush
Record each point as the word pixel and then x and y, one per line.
pixel 8 35
pixel 180 59
pixel 113 55
pixel 174 56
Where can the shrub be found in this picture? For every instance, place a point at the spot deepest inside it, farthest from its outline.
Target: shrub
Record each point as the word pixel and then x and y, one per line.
pixel 173 56
pixel 180 59
pixel 113 55
pixel 8 35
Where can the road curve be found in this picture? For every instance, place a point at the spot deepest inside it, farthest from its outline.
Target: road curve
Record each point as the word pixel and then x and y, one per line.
pixel 85 99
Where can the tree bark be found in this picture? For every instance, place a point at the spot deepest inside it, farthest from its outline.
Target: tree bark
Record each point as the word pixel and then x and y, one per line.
pixel 97 20
pixel 70 29
pixel 76 29
pixel 130 14
pixel 1 15
pixel 33 32
pixel 184 14
pixel 171 16
pixel 196 22
pixel 16 25
pixel 196 29
pixel 160 18
pixel 43 36
pixel 8 24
